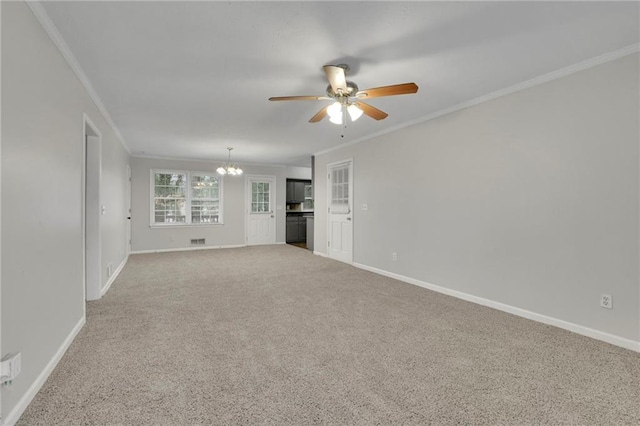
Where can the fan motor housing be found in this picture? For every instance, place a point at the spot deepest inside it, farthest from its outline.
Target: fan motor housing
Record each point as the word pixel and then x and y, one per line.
pixel 352 89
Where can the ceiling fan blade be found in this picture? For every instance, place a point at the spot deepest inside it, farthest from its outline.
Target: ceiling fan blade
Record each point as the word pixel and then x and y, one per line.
pixel 396 89
pixel 372 112
pixel 337 78
pixel 320 115
pixel 298 98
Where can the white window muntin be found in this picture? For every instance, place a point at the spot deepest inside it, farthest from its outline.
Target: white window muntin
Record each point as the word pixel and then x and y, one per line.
pixel 260 197
pixel 340 198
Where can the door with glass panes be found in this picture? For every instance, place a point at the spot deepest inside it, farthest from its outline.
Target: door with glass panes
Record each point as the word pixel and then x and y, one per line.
pixel 261 218
pixel 340 186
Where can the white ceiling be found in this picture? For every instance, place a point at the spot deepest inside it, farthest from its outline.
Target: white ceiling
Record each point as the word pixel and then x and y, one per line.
pixel 188 79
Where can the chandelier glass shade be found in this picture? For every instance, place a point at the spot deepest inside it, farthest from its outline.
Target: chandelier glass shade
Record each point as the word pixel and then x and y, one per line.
pixel 229 168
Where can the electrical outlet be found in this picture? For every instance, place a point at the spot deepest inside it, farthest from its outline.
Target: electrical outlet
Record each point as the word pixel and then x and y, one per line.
pixel 109 270
pixel 606 301
pixel 364 207
pixel 394 256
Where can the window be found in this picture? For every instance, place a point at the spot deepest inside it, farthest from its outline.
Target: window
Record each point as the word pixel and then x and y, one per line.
pixel 308 197
pixel 260 197
pixel 185 198
pixel 340 189
pixel 205 200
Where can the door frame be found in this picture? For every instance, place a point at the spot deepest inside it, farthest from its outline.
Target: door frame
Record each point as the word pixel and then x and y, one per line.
pixel 90 129
pixel 351 183
pixel 128 207
pixel 247 205
pixel 0 215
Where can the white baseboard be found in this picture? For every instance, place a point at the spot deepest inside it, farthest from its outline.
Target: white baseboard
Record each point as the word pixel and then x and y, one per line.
pixel 114 276
pixel 187 249
pixel 579 329
pixel 26 399
pixel 321 254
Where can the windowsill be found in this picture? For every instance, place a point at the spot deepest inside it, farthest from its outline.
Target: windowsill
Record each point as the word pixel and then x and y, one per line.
pixel 186 225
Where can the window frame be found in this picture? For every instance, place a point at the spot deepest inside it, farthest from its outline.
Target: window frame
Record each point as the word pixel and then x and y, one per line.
pixel 188 198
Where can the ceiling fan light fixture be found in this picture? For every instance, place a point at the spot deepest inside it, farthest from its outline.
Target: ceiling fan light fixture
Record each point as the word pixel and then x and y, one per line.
pixel 229 168
pixel 336 119
pixel 335 110
pixel 354 112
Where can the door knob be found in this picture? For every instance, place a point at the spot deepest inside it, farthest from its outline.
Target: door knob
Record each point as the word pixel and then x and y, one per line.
pixel 272 216
pixel 348 218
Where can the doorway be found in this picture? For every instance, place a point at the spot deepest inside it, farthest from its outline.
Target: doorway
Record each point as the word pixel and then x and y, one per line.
pixel 128 201
pixel 340 194
pixel 92 211
pixel 261 218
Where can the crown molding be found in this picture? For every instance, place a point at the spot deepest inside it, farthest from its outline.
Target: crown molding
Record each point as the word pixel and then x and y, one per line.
pixel 536 81
pixel 62 46
pixel 208 160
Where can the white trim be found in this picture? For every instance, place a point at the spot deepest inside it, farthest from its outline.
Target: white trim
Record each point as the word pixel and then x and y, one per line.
pixel 114 276
pixel 28 396
pixel 186 225
pixel 188 249
pixel 87 123
pixel 83 213
pixel 319 253
pixel 579 329
pixel 129 184
pixel 1 422
pixel 212 161
pixel 62 46
pixel 545 78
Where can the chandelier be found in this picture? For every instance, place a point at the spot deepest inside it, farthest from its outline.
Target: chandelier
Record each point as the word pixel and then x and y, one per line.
pixel 229 168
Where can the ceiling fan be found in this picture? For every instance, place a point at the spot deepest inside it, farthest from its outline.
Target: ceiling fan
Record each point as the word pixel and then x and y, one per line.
pixel 348 98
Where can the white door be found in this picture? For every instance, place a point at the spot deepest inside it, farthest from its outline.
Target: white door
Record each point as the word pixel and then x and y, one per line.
pixel 128 212
pixel 261 218
pixel 340 211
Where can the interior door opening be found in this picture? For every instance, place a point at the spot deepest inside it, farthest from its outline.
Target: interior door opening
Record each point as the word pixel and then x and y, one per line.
pixel 92 212
pixel 128 212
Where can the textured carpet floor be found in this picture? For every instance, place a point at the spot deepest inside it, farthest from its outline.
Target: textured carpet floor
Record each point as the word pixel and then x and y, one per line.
pixel 276 335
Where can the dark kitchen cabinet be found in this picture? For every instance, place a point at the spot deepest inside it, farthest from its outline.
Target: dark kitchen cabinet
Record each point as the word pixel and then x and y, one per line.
pixel 293 233
pixel 290 191
pixel 302 229
pixel 295 191
pixel 296 229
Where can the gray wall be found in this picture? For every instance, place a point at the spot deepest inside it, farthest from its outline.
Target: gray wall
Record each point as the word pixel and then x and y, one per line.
pixel 231 233
pixel 530 199
pixel 42 156
pixel 294 172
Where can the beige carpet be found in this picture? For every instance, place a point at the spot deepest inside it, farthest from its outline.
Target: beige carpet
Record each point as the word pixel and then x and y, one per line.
pixel 276 335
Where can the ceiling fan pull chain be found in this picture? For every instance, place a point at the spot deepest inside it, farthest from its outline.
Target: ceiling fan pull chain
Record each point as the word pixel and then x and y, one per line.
pixel 344 120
